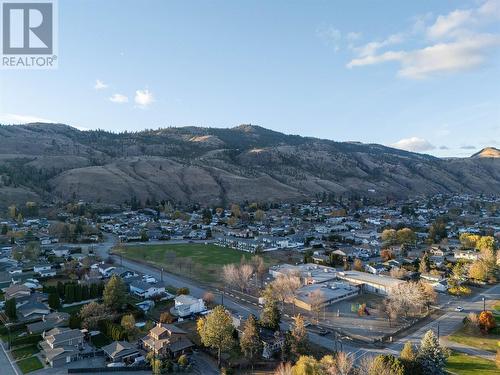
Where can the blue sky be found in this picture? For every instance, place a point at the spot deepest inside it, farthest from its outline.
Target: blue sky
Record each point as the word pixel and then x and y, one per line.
pixel 419 75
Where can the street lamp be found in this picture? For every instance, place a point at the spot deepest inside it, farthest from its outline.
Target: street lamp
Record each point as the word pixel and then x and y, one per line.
pixel 484 303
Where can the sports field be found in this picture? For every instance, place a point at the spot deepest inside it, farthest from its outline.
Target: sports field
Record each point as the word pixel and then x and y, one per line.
pixel 194 260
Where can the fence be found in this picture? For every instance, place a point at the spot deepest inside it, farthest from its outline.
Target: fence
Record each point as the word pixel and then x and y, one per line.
pixel 84 370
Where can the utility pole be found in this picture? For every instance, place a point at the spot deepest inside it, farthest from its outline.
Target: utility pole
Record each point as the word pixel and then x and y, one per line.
pixel 161 275
pixel 484 303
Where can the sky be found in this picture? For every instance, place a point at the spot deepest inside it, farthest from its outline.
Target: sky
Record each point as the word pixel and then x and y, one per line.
pixel 417 75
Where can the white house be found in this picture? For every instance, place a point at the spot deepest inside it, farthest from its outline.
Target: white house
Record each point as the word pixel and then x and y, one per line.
pixel 146 290
pixel 41 267
pixel 187 305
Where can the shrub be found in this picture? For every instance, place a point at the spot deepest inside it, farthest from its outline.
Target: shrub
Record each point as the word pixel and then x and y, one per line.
pixel 183 360
pixel 26 340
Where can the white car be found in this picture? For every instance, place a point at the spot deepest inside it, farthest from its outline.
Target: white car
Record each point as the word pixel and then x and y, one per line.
pixel 459 308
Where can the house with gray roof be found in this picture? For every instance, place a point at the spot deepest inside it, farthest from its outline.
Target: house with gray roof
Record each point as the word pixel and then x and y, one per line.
pixel 120 351
pixel 62 345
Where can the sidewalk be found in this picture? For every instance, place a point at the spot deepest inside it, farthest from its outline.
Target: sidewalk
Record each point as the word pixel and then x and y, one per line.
pixel 6 365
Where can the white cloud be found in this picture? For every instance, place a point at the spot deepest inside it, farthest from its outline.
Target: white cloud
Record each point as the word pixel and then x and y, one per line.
pixel 118 98
pixel 413 144
pixel 449 24
pixel 15 119
pixel 371 48
pixel 454 43
pixel 143 98
pixel 100 85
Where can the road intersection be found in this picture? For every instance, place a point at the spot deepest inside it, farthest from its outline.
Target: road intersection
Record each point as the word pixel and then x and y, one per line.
pixel 445 324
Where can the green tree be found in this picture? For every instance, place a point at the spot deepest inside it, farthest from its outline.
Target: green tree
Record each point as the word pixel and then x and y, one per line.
pixel 115 293
pixel 216 331
pixel 406 236
pixel 431 356
pixel 270 317
pixel 54 301
pixel 10 308
pixel 183 360
pixel 250 342
pixel 32 251
pixel 437 231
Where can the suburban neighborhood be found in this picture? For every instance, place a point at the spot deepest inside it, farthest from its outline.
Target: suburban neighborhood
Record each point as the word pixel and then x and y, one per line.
pixel 164 289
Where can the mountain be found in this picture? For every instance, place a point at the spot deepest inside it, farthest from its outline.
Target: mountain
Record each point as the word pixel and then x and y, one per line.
pixel 217 166
pixel 488 152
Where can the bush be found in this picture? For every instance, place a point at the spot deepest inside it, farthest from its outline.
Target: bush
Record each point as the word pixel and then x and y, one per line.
pixel 183 360
pixel 26 340
pixel 183 290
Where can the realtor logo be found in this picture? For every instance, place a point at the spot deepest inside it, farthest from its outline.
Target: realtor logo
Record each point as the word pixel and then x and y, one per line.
pixel 28 34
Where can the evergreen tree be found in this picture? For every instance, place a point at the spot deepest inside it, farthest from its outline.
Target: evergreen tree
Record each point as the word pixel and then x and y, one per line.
pixel 270 316
pixel 54 301
pixel 250 342
pixel 69 293
pixel 60 289
pixel 10 308
pixel 431 356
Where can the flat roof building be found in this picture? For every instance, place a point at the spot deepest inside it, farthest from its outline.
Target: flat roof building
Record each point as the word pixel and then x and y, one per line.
pixel 378 284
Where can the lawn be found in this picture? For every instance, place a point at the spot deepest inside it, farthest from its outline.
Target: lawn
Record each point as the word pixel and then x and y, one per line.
pixel 29 364
pixel 486 342
pixel 197 261
pixel 26 351
pixel 463 364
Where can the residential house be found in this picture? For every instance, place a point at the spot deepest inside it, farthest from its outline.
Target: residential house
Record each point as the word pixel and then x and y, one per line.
pixel 187 305
pixel 17 291
pixel 120 351
pixel 167 340
pixel 62 345
pixel 466 254
pixel 375 268
pixel 146 290
pixel 48 322
pixel 31 309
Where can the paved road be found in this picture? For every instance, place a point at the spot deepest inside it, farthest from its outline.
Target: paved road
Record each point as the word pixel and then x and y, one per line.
pixel 447 323
pixel 6 366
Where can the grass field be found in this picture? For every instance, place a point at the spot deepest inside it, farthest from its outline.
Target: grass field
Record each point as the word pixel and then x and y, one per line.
pixel 29 364
pixel 197 261
pixel 463 364
pixel 26 351
pixel 486 342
